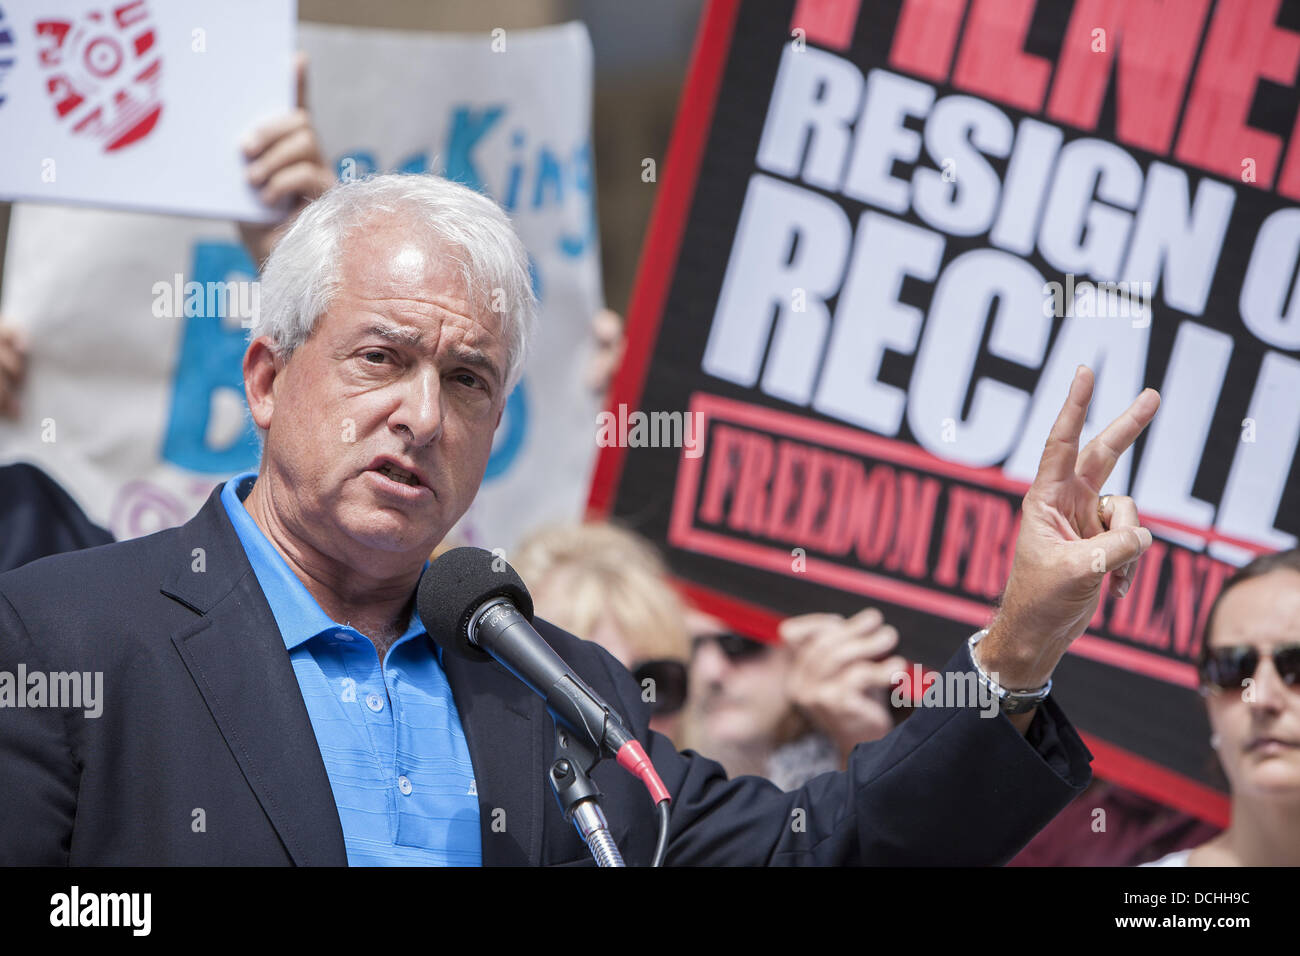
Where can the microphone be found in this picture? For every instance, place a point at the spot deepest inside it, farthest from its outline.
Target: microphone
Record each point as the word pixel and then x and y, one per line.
pixel 474 604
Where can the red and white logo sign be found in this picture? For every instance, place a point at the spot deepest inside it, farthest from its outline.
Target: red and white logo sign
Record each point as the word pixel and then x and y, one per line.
pixel 103 73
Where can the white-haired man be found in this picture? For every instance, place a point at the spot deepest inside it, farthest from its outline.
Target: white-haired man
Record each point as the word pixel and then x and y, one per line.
pixel 270 694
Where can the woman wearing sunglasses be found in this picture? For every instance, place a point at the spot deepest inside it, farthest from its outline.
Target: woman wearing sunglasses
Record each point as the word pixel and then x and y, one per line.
pixel 1250 676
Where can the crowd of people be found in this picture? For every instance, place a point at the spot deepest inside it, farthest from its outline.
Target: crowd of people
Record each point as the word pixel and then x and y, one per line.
pixel 792 709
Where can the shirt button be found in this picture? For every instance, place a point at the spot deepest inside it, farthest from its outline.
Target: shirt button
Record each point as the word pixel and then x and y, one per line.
pixel 404 785
pixel 375 702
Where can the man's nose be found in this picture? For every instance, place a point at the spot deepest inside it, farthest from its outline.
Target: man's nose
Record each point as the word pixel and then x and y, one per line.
pixel 420 411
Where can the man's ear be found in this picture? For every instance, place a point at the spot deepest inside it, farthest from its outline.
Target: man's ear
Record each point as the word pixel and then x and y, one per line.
pixel 260 370
pixel 500 412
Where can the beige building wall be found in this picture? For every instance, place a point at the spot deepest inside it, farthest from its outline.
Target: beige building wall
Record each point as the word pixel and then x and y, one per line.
pixel 437 15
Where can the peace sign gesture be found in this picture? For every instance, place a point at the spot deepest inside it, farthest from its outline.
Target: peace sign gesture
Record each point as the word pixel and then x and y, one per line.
pixel 1070 539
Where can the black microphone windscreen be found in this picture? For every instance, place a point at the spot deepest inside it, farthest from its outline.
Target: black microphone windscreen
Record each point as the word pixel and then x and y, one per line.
pixel 459 582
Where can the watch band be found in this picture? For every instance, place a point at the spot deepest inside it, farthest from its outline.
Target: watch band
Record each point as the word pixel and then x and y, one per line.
pixel 1010 701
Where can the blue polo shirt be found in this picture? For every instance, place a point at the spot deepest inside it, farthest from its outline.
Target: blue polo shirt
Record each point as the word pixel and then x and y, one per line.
pixel 390 735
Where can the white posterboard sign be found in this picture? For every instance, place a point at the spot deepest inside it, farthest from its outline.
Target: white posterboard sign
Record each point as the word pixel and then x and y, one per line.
pixel 140 104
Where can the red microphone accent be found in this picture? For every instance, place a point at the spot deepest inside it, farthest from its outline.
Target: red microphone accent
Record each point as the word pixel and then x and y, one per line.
pixel 632 758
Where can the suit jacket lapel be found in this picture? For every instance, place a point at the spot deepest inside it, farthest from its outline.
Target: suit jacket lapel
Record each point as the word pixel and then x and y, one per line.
pixel 508 732
pixel 236 657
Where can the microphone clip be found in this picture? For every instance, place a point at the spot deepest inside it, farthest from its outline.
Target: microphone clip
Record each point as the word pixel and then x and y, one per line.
pixel 578 795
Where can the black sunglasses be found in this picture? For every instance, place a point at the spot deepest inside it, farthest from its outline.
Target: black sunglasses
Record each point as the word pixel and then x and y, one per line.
pixel 665 683
pixel 1225 668
pixel 734 646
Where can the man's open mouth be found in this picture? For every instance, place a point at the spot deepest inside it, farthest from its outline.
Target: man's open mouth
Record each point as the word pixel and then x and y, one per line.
pixel 392 471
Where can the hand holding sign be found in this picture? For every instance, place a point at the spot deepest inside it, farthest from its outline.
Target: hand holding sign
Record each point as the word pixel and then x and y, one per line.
pixel 285 161
pixel 1067 543
pixel 13 368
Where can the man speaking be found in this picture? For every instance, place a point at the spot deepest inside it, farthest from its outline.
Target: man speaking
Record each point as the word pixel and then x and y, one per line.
pixel 271 696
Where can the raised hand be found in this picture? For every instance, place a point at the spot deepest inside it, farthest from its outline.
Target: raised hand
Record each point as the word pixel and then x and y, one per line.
pixel 1068 543
pixel 839 675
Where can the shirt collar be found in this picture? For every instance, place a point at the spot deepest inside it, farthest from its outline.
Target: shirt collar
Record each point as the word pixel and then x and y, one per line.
pixel 296 612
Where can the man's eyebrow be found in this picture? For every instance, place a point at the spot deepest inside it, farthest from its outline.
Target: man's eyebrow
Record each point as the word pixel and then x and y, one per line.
pixel 392 334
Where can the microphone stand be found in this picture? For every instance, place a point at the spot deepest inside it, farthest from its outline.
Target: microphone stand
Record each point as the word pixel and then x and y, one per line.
pixel 578 795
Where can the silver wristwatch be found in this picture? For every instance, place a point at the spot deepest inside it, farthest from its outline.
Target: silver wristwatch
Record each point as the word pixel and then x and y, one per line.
pixel 1010 701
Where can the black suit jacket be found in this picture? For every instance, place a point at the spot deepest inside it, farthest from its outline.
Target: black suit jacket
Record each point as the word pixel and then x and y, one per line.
pixel 202 711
